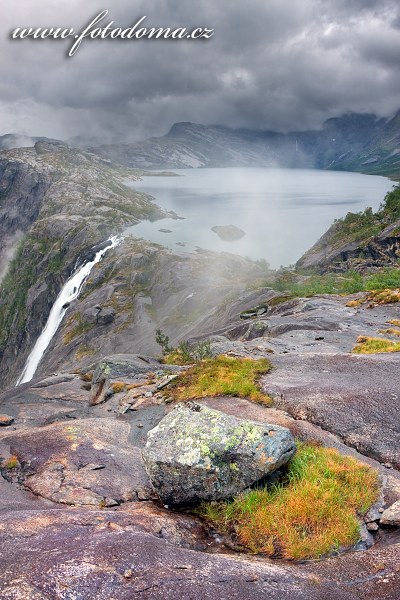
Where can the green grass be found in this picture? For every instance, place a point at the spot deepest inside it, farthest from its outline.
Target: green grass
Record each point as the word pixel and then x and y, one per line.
pixel 222 376
pixel 372 345
pixel 332 283
pixel 309 514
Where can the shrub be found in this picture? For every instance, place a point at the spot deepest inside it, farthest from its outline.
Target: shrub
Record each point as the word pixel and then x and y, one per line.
pixel 163 341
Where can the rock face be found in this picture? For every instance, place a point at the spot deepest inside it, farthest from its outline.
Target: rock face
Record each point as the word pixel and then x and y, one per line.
pixel 196 453
pixel 391 516
pixel 228 233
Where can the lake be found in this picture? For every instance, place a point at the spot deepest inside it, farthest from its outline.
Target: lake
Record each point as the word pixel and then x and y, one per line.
pixel 282 211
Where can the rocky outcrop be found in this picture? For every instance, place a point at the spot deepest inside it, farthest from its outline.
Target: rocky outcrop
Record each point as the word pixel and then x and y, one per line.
pixel 196 453
pixel 119 367
pixel 228 233
pixel 360 241
pixel 22 190
pixel 391 516
pixel 382 250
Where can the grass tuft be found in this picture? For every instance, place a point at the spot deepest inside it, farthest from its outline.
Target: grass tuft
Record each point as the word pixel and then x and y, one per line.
pixel 310 514
pixel 371 345
pixel 118 386
pixel 223 376
pixel 10 463
pixel 391 331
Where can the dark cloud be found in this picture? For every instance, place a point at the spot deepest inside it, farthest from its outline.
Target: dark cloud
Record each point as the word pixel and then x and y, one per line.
pixel 272 64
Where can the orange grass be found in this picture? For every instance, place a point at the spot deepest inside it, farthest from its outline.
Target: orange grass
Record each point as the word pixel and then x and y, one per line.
pixel 310 514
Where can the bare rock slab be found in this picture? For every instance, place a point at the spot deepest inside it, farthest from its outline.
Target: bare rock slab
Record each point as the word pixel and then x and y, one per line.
pixel 197 453
pixel 86 462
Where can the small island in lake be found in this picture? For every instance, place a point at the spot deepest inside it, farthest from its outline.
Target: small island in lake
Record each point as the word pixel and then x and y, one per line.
pixel 228 233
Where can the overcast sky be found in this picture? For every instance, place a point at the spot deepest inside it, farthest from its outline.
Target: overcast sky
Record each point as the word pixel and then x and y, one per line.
pixel 271 64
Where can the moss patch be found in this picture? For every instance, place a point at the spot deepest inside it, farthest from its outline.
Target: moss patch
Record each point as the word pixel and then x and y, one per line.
pixel 372 345
pixel 309 514
pixel 80 327
pixel 223 376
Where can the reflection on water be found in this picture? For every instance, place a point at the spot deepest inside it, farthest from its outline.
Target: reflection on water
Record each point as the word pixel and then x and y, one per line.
pixel 282 211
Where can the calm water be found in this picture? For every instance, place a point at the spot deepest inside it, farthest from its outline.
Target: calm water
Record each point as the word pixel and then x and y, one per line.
pixel 282 211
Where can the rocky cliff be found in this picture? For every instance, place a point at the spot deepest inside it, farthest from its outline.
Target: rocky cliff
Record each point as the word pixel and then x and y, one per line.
pixel 58 203
pixel 359 241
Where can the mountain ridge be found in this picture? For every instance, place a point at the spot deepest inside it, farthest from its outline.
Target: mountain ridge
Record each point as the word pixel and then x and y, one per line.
pixel 351 142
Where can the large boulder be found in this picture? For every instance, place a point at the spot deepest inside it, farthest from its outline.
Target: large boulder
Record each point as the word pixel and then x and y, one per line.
pixel 197 453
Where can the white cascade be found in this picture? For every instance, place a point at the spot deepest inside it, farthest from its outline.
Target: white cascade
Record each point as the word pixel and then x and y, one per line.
pixel 69 292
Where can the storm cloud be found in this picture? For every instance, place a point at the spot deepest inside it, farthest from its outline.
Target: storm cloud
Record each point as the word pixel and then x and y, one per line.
pixel 271 64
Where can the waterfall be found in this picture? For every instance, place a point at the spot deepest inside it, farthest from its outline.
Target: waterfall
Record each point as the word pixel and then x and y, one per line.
pixel 69 292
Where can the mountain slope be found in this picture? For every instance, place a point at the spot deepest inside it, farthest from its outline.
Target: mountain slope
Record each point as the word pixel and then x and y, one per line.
pixel 357 142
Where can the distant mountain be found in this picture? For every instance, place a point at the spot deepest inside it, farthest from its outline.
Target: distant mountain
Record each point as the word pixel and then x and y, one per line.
pixel 353 142
pixel 12 140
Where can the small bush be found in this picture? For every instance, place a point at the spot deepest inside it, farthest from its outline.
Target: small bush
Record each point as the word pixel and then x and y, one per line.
pixel 309 514
pixel 10 463
pixel 222 376
pixel 163 341
pixel 187 353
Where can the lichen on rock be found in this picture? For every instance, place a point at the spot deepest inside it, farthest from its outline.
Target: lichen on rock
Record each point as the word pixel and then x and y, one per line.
pixel 196 453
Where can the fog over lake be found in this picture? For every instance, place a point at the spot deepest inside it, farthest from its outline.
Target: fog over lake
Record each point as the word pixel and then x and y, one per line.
pixel 282 211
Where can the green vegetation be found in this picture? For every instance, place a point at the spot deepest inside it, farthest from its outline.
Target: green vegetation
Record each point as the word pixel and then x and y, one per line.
pixel 163 341
pixel 21 275
pixel 10 463
pixel 81 326
pixel 185 353
pixel 390 208
pixel 222 376
pixel 372 345
pixel 312 512
pixel 332 283
pixel 360 226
